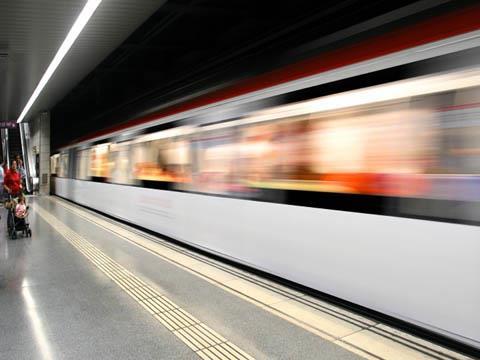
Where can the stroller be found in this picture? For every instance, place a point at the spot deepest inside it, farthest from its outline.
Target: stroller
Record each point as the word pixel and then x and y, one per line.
pixel 16 223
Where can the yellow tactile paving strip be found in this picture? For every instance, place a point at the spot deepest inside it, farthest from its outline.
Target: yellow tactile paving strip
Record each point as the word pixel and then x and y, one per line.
pixel 203 340
pixel 351 331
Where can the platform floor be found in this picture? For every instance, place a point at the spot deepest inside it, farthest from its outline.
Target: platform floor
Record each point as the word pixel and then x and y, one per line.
pixel 87 287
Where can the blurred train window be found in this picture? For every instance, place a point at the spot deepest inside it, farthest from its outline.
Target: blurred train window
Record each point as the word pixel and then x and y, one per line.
pixel 217 155
pixel 63 165
pixel 278 154
pixel 157 157
pixel 54 164
pixel 375 149
pixel 119 163
pixel 460 126
pixel 178 159
pixel 257 155
pixel 83 159
pixel 99 161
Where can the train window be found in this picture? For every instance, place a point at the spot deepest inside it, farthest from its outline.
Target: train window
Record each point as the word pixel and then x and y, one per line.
pixel 54 164
pixel 63 165
pixel 177 159
pixel 389 150
pixel 83 159
pixel 276 152
pixel 99 161
pixel 258 155
pixel 217 160
pixel 354 151
pixel 157 157
pixel 119 162
pixel 461 133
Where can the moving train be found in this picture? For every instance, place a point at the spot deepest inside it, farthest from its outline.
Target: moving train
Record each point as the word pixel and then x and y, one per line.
pixel 360 180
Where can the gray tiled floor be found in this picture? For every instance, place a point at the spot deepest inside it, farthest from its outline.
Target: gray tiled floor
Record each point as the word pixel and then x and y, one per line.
pixel 54 302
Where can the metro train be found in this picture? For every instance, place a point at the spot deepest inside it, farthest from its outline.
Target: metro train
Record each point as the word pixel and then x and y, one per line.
pixel 361 181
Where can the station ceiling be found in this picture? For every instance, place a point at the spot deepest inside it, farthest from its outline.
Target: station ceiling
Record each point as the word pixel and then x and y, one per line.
pixel 31 31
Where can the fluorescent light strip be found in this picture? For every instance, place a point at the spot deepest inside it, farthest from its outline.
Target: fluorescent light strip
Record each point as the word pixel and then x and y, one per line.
pixel 72 35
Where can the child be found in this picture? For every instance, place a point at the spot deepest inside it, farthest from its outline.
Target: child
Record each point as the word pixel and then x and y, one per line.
pixel 21 208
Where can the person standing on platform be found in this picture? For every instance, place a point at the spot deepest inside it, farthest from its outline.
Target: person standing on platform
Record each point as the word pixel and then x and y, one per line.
pixel 13 185
pixel 22 172
pixel 12 180
pixel 2 177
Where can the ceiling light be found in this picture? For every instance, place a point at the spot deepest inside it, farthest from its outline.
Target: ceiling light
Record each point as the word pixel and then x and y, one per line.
pixel 72 35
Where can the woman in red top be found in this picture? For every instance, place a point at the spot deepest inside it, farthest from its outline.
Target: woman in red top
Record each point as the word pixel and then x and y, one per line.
pixel 12 182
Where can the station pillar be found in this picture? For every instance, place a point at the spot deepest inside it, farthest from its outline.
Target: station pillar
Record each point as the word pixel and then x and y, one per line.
pixel 40 146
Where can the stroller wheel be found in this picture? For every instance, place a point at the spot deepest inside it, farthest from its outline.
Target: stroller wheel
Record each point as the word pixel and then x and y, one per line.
pixel 29 233
pixel 14 235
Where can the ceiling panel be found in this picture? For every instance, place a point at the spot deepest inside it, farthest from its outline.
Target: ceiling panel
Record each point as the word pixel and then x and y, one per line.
pixel 31 31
